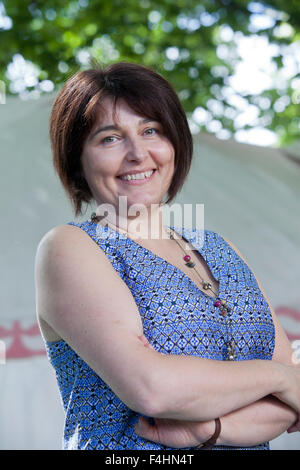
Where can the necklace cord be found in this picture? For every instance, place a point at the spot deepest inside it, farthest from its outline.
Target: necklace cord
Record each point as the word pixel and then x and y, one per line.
pixel 192 265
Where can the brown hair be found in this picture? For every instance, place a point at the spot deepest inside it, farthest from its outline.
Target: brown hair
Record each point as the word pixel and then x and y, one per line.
pixel 74 114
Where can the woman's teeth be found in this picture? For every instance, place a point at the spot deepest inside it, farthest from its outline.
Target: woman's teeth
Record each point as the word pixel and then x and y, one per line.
pixel 137 176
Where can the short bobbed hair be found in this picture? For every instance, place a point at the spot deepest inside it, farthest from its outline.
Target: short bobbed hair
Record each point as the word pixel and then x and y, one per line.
pixel 74 114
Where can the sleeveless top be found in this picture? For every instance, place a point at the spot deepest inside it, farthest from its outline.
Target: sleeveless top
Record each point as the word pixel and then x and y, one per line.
pixel 177 317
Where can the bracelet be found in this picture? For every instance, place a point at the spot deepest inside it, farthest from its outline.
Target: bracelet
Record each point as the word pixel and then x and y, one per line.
pixel 211 442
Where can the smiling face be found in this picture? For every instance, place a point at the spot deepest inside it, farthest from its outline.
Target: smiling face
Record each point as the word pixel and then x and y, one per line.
pixel 120 148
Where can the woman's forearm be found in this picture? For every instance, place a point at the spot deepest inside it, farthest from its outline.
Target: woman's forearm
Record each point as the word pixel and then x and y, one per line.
pixel 259 422
pixel 252 425
pixel 207 389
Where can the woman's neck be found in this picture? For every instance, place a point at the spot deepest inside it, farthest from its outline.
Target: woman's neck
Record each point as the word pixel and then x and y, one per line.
pixel 148 225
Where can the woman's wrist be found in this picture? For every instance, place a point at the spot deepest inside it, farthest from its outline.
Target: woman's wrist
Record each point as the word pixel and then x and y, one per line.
pixel 212 440
pixel 258 422
pixel 210 427
pixel 203 431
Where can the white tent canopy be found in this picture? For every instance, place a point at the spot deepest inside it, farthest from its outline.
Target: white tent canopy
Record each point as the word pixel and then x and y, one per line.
pixel 251 196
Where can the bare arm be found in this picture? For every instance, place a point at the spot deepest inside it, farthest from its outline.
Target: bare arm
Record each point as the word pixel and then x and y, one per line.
pixel 76 288
pixel 259 422
pixel 250 426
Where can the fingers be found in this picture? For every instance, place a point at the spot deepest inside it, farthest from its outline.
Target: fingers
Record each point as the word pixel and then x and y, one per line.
pixel 144 429
pixel 295 427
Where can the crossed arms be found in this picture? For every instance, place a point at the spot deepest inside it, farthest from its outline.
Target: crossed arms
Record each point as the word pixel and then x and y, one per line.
pixel 82 298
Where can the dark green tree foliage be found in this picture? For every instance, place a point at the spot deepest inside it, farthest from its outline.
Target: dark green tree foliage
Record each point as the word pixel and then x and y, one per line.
pixel 179 39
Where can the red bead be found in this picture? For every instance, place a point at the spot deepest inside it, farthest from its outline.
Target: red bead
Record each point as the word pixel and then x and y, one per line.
pixel 218 303
pixel 187 258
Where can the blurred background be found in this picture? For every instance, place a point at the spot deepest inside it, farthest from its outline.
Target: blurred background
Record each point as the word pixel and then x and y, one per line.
pixel 235 65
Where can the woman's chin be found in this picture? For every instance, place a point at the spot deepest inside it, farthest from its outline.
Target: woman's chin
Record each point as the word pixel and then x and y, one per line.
pixel 142 202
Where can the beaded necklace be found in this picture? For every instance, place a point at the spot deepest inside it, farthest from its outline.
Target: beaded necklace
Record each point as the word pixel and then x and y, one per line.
pixel 220 303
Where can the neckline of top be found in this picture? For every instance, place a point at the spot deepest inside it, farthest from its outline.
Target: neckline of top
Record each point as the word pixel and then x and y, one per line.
pixel 185 233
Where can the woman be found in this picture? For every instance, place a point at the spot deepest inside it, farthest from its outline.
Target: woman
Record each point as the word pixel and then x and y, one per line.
pixel 162 326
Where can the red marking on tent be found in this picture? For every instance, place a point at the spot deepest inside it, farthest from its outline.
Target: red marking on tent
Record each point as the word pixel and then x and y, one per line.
pixel 17 348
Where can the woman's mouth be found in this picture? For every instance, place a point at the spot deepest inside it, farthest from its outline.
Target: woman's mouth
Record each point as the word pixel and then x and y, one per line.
pixel 138 178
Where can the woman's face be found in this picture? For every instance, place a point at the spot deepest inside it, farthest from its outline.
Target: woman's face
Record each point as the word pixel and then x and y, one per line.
pixel 123 145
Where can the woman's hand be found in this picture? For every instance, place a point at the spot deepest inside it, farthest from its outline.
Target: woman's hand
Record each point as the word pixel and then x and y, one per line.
pixel 174 433
pixel 295 427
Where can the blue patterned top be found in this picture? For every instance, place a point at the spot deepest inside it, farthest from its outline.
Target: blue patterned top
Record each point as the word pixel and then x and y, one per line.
pixel 177 317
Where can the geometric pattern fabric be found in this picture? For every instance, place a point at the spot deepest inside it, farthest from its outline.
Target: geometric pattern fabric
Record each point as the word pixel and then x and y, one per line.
pixel 177 317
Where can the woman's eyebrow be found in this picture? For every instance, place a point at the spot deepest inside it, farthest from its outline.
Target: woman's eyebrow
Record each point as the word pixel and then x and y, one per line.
pixel 113 127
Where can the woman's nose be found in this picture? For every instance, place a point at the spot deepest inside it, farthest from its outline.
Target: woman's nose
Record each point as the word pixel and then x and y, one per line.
pixel 136 150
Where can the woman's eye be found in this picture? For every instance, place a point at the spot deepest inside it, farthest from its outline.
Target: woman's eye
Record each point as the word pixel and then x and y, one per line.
pixel 151 131
pixel 109 139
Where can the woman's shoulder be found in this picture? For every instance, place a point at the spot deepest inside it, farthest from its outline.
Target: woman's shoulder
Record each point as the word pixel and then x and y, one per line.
pixel 58 234
pixel 66 256
pixel 62 246
pixel 62 235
